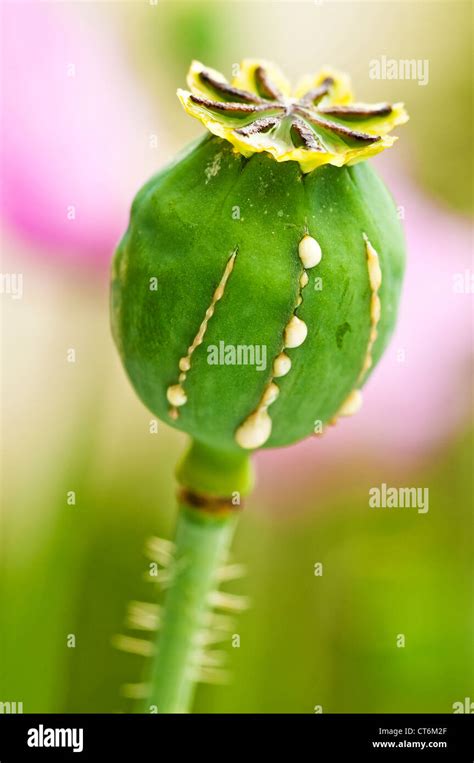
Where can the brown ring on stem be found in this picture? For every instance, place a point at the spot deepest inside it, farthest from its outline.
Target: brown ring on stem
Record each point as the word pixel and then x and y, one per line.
pixel 209 503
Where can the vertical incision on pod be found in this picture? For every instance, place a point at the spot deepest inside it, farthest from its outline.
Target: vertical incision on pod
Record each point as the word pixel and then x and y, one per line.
pixel 375 279
pixel 175 393
pixel 257 427
pixel 353 402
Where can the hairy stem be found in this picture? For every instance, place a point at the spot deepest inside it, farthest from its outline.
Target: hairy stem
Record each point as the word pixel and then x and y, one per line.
pixel 212 485
pixel 201 545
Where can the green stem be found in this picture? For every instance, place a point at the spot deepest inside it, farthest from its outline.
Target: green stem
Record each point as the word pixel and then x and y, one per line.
pixel 201 546
pixel 207 518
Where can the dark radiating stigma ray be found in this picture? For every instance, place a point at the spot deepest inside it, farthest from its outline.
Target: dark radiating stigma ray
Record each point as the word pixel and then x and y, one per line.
pixel 337 129
pixel 265 86
pixel 303 136
pixel 259 126
pixel 356 112
pixel 235 109
pixel 223 88
pixel 315 95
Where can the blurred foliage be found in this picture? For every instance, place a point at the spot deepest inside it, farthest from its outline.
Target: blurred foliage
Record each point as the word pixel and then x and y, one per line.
pixel 331 640
pixel 190 30
pixel 442 116
pixel 307 640
pixel 175 33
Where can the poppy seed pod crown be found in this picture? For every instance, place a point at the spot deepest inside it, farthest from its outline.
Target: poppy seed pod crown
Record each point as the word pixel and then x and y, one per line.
pixel 258 281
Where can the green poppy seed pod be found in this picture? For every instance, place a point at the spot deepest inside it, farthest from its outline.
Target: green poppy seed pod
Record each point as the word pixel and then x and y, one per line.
pixel 258 281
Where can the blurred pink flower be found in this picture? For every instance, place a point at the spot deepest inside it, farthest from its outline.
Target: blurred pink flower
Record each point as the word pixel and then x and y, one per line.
pixel 420 392
pixel 75 133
